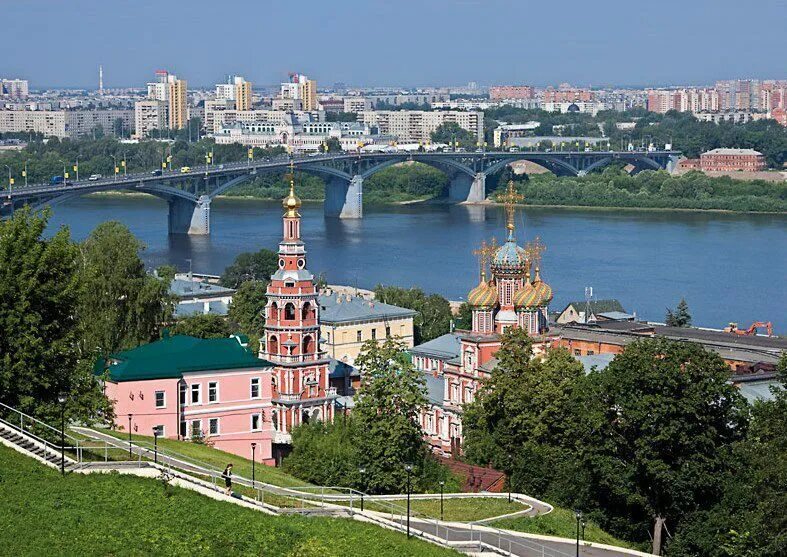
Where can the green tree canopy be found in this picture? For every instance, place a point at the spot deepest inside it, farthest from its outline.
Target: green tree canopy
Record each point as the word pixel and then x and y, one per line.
pixel 680 316
pixel 39 296
pixel 257 266
pixel 120 305
pixel 202 326
pixel 451 132
pixel 654 432
pixel 387 411
pixel 434 311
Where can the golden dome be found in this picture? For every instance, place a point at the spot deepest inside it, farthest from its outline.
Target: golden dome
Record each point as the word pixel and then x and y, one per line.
pixel 542 290
pixel 292 202
pixel 484 295
pixel 526 296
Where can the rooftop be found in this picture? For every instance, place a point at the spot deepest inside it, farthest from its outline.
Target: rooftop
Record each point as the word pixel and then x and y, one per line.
pixel 185 288
pixel 444 347
pixel 725 151
pixel 597 306
pixel 343 308
pixel 171 357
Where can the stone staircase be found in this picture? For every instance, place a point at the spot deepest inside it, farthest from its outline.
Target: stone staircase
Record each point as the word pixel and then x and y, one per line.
pixel 477 478
pixel 24 443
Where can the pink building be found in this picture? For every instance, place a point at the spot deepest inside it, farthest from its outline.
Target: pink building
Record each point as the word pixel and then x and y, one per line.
pixel 186 387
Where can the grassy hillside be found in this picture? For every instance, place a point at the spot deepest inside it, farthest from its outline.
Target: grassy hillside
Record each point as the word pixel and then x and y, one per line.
pixel 110 514
pixel 561 523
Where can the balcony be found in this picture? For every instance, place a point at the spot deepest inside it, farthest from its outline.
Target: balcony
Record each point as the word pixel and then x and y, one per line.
pixel 289 397
pixel 293 359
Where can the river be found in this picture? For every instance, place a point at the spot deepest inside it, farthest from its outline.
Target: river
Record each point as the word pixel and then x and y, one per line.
pixel 729 267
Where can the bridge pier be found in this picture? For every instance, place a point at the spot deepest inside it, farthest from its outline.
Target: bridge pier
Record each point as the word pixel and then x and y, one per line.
pixel 187 217
pixel 344 199
pixel 467 189
pixel 672 163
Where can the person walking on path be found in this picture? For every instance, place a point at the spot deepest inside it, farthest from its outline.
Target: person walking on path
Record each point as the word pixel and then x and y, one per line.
pixel 227 475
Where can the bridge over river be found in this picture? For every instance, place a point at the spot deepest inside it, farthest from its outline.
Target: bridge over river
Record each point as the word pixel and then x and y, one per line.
pixel 189 194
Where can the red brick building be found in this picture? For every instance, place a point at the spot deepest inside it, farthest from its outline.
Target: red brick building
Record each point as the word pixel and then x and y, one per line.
pixel 500 92
pixel 724 160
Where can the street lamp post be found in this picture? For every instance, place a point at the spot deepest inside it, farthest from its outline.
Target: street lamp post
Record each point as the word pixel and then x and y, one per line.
pixel 24 174
pixel 155 444
pixel 578 515
pixel 362 472
pixel 76 168
pixel 409 469
pixel 129 433
pixel 253 471
pixel 61 398
pixel 442 485
pixel 115 166
pixel 10 179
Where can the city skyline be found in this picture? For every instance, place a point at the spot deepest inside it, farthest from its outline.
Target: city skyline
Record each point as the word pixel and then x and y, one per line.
pixel 668 44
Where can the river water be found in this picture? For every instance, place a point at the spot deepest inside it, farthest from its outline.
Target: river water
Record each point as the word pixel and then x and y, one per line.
pixel 728 267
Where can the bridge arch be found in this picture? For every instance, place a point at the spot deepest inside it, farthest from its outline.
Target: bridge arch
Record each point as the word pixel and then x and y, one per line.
pixel 167 193
pixel 554 165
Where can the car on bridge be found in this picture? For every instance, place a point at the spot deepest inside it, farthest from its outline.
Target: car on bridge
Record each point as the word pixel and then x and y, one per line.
pixel 94 177
pixel 185 169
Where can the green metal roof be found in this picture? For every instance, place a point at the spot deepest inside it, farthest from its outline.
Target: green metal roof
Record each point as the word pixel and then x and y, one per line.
pixel 171 357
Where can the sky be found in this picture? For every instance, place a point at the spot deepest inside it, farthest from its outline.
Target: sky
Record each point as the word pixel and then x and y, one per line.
pixel 60 43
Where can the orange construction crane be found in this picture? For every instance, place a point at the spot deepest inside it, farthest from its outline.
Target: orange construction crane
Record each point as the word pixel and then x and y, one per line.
pixel 752 330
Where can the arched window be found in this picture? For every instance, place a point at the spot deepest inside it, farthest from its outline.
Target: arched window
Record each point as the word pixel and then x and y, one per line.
pixel 275 419
pixel 289 311
pixel 305 417
pixel 273 345
pixel 307 346
pixel 274 384
pixel 273 311
pixel 306 312
pixel 316 415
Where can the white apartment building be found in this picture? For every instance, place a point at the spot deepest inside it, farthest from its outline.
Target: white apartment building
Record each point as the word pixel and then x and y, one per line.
pixel 15 88
pixel 237 90
pixel 300 136
pixel 357 104
pixel 150 114
pixel 84 122
pixel 51 123
pixel 220 114
pixel 414 126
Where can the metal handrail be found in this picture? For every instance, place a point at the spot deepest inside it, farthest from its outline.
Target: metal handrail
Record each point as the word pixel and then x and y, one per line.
pixel 22 416
pixel 330 495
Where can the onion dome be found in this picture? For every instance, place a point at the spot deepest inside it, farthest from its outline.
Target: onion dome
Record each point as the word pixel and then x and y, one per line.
pixel 292 202
pixel 542 289
pixel 526 296
pixel 510 259
pixel 484 295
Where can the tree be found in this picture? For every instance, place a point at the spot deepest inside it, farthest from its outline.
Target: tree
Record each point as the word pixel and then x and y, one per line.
pixel 166 273
pixel 247 310
pixel 751 517
pixel 451 132
pixel 434 311
pixel 333 145
pixel 202 326
pixel 257 266
pixel 464 317
pixel 654 431
pixel 387 411
pixel 39 291
pixel 517 421
pixel 120 305
pixel 680 317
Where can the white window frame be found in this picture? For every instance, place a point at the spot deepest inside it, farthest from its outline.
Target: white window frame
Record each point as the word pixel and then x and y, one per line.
pixel 161 429
pixel 163 399
pixel 252 382
pixel 216 384
pixel 190 428
pixel 197 390
pixel 259 422
pixel 211 421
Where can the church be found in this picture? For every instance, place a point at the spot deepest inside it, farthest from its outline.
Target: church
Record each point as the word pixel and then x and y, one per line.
pixel 510 293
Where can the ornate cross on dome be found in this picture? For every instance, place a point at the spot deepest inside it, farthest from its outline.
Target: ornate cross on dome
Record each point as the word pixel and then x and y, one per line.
pixel 534 250
pixel 510 198
pixel 290 176
pixel 485 253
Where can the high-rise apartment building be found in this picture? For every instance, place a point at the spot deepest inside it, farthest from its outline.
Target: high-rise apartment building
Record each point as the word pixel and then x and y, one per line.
pixel 14 88
pixel 236 89
pixel 299 88
pixel 173 92
pixel 417 125
pixel 150 114
pixel 506 92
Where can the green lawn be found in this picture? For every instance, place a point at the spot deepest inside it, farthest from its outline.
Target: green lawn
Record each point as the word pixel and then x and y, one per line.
pixel 464 510
pixel 217 459
pixel 561 523
pixel 111 514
